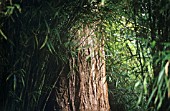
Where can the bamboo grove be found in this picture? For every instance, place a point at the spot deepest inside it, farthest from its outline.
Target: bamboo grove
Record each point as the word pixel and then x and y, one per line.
pixel 84 55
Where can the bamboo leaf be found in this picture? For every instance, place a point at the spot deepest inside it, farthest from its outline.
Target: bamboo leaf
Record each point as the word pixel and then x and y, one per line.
pixel 23 82
pixel 10 10
pixel 36 40
pixel 45 41
pixel 3 35
pixel 140 98
pixel 49 47
pixel 52 46
pixel 145 85
pixel 152 94
pixel 48 28
pixel 9 77
pixel 102 2
pixel 160 103
pixel 18 7
pixel 137 84
pixel 15 82
pixel 160 76
pixel 58 36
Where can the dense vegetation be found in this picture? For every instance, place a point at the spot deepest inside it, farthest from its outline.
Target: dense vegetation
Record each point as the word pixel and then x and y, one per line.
pixel 39 38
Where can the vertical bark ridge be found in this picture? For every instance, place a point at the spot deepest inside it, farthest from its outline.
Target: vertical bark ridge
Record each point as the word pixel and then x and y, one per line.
pixel 93 92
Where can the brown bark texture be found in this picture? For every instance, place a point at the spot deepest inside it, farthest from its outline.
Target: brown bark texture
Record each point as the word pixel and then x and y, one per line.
pixel 87 86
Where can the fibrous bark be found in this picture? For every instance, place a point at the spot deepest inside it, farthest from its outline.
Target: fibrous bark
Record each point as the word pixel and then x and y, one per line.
pixel 85 88
pixel 87 83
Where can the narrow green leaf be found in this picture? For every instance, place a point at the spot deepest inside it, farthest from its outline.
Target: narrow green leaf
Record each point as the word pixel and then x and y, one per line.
pixel 15 82
pixel 58 36
pixel 156 99
pixel 167 57
pixel 151 96
pixel 140 98
pixel 48 28
pixel 36 40
pixel 56 14
pixel 137 84
pixel 102 2
pixel 160 76
pixel 153 43
pixel 23 82
pixel 18 7
pixel 160 103
pixel 145 86
pixel 45 41
pixel 3 35
pixel 49 47
pixel 10 10
pixel 52 46
pixel 9 77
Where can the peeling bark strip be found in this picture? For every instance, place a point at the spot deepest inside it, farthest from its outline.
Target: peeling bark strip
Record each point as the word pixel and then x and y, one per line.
pixel 87 83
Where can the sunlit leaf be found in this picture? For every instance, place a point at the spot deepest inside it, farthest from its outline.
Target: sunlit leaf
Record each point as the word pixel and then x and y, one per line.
pixel 153 43
pixel 145 85
pixel 160 76
pixel 18 7
pixel 137 84
pixel 102 2
pixel 140 98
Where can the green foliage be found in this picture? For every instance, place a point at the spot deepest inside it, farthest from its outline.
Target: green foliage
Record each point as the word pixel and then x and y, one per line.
pixel 133 53
pixel 36 56
pixel 123 66
pixel 37 39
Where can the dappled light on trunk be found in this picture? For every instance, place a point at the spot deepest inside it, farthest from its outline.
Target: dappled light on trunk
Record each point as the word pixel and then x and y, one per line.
pixel 90 73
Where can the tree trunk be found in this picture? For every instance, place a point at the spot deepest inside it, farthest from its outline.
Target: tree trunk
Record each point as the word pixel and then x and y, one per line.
pixel 87 87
